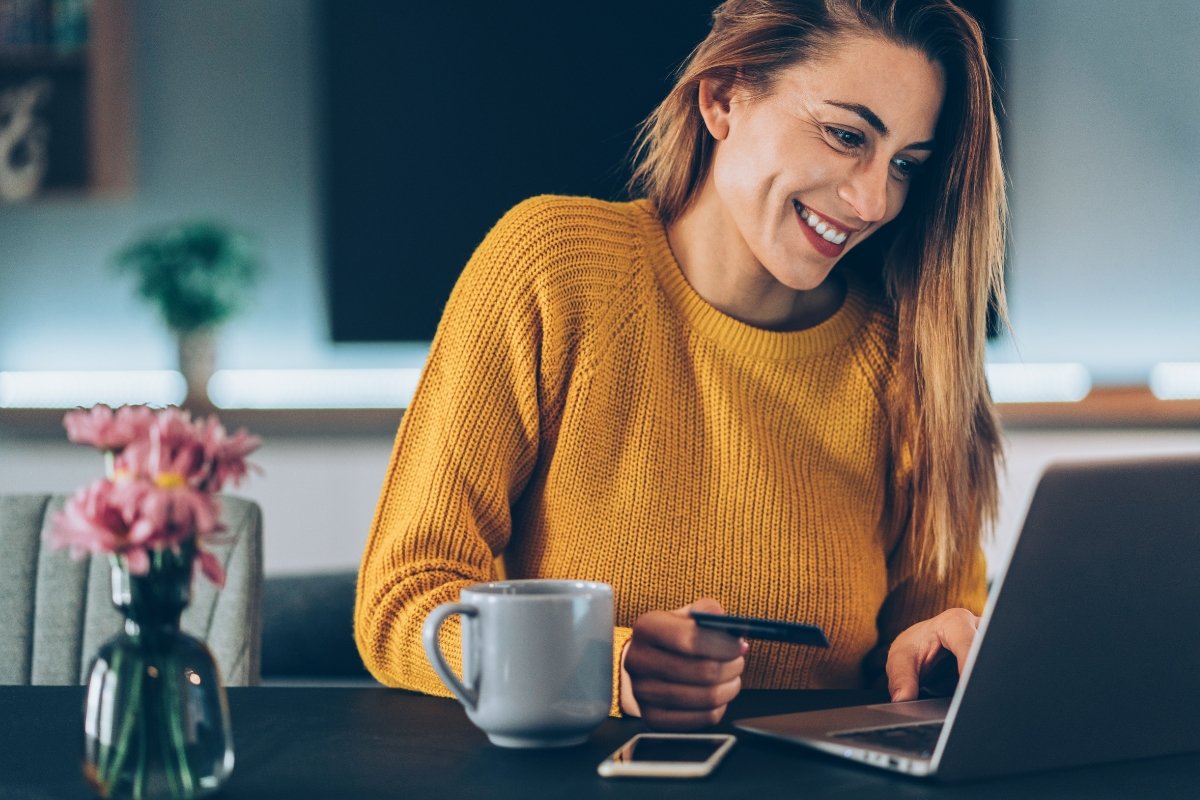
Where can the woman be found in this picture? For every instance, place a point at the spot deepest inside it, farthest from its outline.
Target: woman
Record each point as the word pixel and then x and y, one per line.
pixel 759 389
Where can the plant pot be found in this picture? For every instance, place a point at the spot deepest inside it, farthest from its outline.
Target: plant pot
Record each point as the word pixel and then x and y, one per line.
pixel 197 362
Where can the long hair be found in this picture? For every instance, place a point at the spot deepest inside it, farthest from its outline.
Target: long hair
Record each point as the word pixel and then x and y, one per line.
pixel 940 261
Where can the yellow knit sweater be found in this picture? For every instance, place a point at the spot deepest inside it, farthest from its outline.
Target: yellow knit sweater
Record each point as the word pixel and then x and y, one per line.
pixel 586 414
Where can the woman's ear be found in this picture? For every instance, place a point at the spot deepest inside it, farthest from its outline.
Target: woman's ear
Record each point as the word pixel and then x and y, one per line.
pixel 714 98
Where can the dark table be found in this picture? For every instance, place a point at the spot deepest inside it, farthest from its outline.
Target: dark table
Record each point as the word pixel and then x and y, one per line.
pixel 372 742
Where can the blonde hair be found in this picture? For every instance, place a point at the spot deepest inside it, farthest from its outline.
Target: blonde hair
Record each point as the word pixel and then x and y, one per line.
pixel 940 261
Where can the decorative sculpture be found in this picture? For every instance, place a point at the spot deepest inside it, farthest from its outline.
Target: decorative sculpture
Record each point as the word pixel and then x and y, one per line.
pixel 24 156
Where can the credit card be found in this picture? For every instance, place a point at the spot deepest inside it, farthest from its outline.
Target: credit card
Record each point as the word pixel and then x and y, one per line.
pixel 776 630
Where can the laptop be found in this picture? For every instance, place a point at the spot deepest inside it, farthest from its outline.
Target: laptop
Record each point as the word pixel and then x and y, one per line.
pixel 1088 650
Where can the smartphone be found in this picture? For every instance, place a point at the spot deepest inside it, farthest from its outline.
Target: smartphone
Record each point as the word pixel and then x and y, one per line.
pixel 758 628
pixel 667 755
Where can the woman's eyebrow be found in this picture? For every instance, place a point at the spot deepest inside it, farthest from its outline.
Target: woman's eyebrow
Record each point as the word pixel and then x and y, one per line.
pixel 869 116
pixel 872 119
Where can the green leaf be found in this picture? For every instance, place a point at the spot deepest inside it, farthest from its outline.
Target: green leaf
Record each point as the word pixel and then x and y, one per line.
pixel 197 274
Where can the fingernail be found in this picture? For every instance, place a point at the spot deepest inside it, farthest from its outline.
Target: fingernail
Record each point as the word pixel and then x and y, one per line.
pixel 745 646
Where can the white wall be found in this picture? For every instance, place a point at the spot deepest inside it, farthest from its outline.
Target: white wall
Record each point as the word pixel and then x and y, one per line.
pixel 1104 145
pixel 318 493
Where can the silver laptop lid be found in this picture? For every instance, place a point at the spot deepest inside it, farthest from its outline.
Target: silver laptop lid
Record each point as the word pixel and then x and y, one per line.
pixel 1089 650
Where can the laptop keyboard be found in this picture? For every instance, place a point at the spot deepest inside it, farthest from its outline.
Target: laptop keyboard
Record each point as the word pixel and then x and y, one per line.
pixel 918 739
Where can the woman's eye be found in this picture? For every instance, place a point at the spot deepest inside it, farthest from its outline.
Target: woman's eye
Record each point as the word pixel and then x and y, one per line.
pixel 847 139
pixel 906 168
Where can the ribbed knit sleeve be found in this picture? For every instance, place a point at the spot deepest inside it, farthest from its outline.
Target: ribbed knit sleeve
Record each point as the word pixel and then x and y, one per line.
pixel 488 402
pixel 462 454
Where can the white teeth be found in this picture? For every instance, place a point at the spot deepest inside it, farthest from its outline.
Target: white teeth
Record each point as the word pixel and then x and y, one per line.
pixel 823 229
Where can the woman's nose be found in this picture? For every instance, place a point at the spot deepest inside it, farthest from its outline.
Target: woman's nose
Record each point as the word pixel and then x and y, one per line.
pixel 865 190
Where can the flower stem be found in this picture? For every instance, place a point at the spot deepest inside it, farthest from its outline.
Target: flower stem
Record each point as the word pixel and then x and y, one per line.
pixel 175 757
pixel 130 720
pixel 139 776
pixel 107 746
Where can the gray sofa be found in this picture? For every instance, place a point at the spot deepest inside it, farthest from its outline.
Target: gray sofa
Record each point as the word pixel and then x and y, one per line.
pixel 55 611
pixel 308 631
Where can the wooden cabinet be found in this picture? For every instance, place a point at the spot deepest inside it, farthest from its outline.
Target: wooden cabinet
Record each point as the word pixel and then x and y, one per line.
pixel 66 121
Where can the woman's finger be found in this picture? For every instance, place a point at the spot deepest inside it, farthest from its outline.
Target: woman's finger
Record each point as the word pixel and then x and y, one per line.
pixel 645 660
pixel 677 632
pixel 654 693
pixel 916 649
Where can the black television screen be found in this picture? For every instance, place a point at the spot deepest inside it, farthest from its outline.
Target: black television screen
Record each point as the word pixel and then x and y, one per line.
pixel 439 117
pixel 442 116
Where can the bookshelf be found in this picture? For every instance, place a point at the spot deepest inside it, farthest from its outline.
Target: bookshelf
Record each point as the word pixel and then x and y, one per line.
pixel 66 123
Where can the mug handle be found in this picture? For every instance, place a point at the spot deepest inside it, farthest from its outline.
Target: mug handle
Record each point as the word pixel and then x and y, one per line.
pixel 469 695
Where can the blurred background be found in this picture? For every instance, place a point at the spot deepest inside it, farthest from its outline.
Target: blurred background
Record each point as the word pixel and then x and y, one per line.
pixel 366 147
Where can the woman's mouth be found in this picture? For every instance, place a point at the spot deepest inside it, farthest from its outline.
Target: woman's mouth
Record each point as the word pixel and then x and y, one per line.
pixel 826 238
pixel 823 227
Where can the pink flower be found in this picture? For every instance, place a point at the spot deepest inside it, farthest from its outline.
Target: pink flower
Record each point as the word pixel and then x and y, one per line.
pixel 90 522
pixel 162 493
pixel 165 515
pixel 226 455
pixel 201 453
pixel 138 560
pixel 171 446
pixel 210 565
pixel 105 429
pixel 129 517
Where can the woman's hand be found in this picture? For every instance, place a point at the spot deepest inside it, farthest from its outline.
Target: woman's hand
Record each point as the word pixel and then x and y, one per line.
pixel 916 649
pixel 677 675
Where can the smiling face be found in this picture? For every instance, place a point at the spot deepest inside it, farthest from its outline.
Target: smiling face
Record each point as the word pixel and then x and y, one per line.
pixel 801 175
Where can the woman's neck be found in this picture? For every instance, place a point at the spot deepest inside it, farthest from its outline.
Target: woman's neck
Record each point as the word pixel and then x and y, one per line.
pixel 721 269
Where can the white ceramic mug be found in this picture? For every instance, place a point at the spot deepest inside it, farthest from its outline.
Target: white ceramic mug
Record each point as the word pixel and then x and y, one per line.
pixel 537 659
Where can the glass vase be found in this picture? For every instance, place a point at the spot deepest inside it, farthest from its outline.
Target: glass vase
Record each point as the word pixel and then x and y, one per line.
pixel 156 720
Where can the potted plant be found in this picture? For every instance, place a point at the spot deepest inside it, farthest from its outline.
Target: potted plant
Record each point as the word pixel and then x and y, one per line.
pixel 197 274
